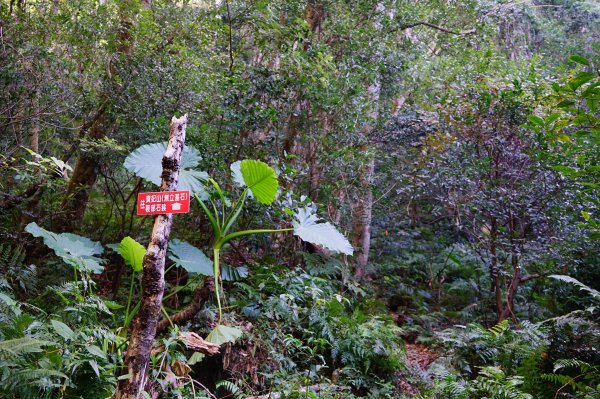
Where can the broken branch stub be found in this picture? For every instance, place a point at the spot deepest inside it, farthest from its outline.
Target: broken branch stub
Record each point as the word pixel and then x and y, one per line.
pixel 143 329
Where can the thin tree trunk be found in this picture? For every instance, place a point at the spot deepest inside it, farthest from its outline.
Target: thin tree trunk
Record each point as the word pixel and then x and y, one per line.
pixel 143 329
pixel 363 219
pixel 34 137
pixel 512 288
pixel 363 213
pixel 515 280
pixel 494 270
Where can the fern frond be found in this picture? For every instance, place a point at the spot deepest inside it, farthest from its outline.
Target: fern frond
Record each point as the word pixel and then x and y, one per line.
pixel 14 348
pixel 594 293
pixel 499 328
pixel 582 366
pixel 236 392
pixel 16 275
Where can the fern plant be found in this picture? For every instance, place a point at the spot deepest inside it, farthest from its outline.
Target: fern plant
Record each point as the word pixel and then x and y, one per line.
pixel 474 346
pixel 575 375
pixel 23 375
pixel 14 274
pixel 491 383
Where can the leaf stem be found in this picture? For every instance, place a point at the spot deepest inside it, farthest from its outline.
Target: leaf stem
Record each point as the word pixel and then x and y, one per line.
pixel 237 234
pixel 130 294
pixel 213 222
pixel 236 212
pixel 216 270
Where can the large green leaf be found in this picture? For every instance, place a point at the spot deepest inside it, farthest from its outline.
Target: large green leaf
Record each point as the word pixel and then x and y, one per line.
pixel 190 258
pixel 579 59
pixel 223 334
pixel 146 162
pixel 308 228
pixel 96 351
pixel 260 178
pixel 194 260
pixel 580 79
pixel 133 253
pixel 63 243
pixel 74 249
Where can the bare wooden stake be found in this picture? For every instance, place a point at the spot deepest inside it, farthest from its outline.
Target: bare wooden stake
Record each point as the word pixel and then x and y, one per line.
pixel 143 329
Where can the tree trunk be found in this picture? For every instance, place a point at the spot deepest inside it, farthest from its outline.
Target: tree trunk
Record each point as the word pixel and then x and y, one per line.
pixel 82 180
pixel 515 280
pixel 363 213
pixel 34 138
pixel 494 270
pixel 203 292
pixel 512 288
pixel 314 14
pixel 85 172
pixel 363 218
pixel 143 329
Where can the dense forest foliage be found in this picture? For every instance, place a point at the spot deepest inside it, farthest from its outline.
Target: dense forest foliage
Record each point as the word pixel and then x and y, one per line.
pixel 389 199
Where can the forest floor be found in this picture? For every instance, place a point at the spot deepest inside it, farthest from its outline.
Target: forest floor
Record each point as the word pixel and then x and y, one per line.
pixel 418 359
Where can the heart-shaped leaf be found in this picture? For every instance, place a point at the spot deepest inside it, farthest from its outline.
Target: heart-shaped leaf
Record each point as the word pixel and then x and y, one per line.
pixel 133 253
pixel 260 178
pixel 236 173
pixel 190 258
pixel 75 250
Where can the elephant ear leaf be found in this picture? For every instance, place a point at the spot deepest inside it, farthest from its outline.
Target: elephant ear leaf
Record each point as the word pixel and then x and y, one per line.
pixel 308 227
pixel 133 253
pixel 146 162
pixel 190 258
pixel 260 179
pixel 72 248
pixel 224 334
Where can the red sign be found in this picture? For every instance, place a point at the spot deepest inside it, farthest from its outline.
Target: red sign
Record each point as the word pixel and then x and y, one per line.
pixel 163 202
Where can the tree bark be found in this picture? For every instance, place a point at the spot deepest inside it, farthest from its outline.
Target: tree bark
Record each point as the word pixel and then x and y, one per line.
pixel 144 326
pixel 363 219
pixel 82 180
pixel 363 213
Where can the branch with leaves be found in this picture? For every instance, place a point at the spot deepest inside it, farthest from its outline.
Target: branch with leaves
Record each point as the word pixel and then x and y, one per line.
pixel 436 27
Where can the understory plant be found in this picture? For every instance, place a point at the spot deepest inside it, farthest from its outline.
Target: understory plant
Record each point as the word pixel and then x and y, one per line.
pixel 255 179
pixel 310 327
